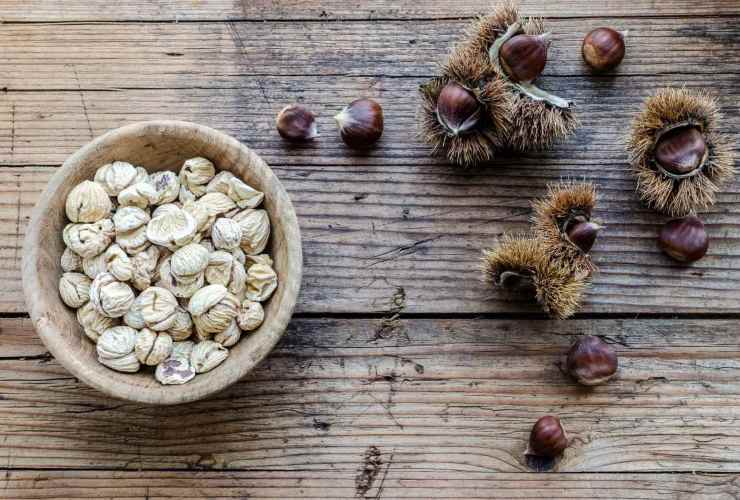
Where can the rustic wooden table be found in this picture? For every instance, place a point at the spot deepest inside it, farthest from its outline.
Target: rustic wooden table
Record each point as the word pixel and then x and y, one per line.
pixel 351 404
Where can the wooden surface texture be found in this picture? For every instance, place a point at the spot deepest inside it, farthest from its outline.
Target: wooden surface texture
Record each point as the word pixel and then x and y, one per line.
pixel 353 403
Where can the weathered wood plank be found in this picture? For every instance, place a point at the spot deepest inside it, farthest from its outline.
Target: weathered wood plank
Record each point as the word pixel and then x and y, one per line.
pixel 451 396
pixel 224 10
pixel 389 480
pixel 396 217
pixel 207 55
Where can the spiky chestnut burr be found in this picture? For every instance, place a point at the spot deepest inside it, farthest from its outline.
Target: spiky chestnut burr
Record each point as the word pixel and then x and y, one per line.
pixel 563 220
pixel 522 263
pixel 678 157
pixel 560 288
pixel 513 264
pixel 538 118
pixel 466 87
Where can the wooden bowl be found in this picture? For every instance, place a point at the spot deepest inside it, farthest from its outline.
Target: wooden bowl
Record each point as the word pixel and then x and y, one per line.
pixel 155 145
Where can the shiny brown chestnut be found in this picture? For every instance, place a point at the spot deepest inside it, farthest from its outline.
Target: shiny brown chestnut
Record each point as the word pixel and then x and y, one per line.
pixel 591 361
pixel 295 123
pixel 681 151
pixel 583 234
pixel 458 110
pixel 684 239
pixel 523 57
pixel 360 123
pixel 548 438
pixel 603 49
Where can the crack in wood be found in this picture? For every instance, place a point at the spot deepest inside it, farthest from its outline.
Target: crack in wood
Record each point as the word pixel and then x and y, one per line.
pixel 84 104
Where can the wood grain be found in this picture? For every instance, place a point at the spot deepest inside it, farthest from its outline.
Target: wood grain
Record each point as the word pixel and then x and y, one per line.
pixel 451 396
pixel 390 481
pixel 324 10
pixel 428 408
pixel 207 55
pixel 365 236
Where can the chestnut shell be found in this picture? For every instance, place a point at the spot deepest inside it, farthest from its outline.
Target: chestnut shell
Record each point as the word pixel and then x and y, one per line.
pixel 583 234
pixel 360 123
pixel 295 123
pixel 681 151
pixel 524 57
pixel 458 110
pixel 548 437
pixel 603 49
pixel 591 361
pixel 684 239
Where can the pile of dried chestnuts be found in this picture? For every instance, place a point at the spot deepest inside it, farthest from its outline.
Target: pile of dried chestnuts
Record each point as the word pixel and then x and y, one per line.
pixel 166 270
pixel 553 262
pixel 360 123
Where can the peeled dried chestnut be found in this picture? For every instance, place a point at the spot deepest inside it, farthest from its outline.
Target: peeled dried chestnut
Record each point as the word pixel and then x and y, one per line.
pixel 603 49
pixel 548 438
pixel 360 123
pixel 591 361
pixel 583 234
pixel 684 239
pixel 524 57
pixel 681 151
pixel 458 110
pixel 295 123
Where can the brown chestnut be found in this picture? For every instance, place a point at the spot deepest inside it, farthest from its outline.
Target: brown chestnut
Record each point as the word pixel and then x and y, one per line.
pixel 583 234
pixel 296 123
pixel 684 239
pixel 523 57
pixel 360 123
pixel 681 151
pixel 591 361
pixel 548 438
pixel 603 49
pixel 458 110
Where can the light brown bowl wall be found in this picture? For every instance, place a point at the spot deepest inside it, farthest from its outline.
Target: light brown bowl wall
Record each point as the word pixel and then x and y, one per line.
pixel 157 145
